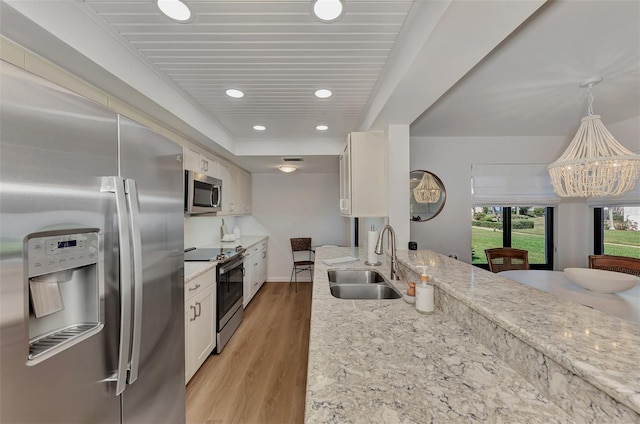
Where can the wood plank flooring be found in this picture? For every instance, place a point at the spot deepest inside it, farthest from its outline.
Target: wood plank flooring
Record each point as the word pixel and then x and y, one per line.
pixel 261 375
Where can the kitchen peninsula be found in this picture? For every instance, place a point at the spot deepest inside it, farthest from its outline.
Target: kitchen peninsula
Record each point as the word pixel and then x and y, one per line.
pixel 494 350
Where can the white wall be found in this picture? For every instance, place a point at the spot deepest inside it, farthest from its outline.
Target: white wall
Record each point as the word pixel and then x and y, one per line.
pixel 451 157
pixel 295 205
pixel 202 230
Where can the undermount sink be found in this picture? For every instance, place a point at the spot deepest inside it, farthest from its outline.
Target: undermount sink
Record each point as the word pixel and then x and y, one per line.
pixel 359 276
pixel 364 291
pixel 360 284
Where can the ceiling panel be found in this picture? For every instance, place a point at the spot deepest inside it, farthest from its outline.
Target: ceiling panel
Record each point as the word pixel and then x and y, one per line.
pixel 274 51
pixel 529 86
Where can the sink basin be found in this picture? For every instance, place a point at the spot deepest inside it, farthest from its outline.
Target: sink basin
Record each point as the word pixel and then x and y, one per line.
pixel 360 284
pixel 363 276
pixel 364 291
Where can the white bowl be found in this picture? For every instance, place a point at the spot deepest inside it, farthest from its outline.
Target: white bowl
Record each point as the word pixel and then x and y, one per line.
pixel 601 281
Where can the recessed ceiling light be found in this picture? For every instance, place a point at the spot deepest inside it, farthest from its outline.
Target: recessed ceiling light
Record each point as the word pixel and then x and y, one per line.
pixel 322 127
pixel 175 9
pixel 328 11
pixel 323 93
pixel 287 168
pixel 236 94
pixel 259 127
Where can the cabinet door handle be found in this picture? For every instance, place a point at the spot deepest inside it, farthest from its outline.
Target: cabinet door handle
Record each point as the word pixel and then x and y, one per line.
pixel 194 313
pixel 196 287
pixel 199 305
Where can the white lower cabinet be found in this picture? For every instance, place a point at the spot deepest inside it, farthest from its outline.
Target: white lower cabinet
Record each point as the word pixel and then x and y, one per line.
pixel 255 268
pixel 199 321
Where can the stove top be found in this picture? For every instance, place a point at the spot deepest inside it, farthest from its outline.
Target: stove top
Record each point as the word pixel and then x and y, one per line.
pixel 213 254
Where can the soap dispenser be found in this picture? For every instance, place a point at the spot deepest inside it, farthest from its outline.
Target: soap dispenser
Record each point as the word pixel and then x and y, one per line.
pixel 424 295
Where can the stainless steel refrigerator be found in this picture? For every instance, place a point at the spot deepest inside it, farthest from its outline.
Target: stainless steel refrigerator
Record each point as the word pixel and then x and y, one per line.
pixel 91 261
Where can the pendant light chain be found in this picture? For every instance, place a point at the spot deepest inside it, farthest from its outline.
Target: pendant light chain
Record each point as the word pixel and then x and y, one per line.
pixel 590 99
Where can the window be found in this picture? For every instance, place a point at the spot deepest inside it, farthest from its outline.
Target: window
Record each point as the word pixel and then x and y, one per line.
pixel 617 231
pixel 522 227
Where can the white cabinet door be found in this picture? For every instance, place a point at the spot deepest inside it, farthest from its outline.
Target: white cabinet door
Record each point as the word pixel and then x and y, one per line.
pixel 192 161
pixel 364 175
pixel 199 321
pixel 345 179
pixel 255 284
pixel 247 293
pixel 263 265
pixel 203 328
pixel 244 192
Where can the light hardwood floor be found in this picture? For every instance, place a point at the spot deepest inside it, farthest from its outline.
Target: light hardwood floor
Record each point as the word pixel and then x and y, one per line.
pixel 261 375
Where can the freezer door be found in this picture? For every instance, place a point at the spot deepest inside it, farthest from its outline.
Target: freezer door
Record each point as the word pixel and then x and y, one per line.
pixel 153 164
pixel 55 147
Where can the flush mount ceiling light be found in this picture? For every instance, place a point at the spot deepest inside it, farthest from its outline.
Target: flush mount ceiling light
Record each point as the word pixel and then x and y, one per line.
pixel 594 164
pixel 327 11
pixel 259 127
pixel 428 190
pixel 175 9
pixel 287 168
pixel 322 127
pixel 236 94
pixel 323 93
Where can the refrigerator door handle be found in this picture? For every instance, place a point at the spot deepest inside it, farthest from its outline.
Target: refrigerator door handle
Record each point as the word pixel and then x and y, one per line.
pixel 134 224
pixel 116 185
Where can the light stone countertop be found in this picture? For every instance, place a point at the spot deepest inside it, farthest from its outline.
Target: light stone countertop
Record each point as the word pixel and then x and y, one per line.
pixel 195 269
pixel 380 361
pixel 602 349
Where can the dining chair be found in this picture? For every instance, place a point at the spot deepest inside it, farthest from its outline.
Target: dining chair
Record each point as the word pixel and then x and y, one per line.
pixel 506 258
pixel 303 258
pixel 615 263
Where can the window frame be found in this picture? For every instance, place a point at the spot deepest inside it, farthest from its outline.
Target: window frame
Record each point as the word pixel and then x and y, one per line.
pixel 598 230
pixel 548 236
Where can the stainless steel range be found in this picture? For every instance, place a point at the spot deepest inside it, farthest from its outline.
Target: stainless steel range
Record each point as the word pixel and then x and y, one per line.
pixel 229 283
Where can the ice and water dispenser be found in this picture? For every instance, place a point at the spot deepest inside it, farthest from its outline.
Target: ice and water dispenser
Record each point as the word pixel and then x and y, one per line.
pixel 65 288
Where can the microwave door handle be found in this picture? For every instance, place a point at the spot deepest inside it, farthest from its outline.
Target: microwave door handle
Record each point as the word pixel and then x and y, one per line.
pixel 215 193
pixel 116 185
pixel 134 221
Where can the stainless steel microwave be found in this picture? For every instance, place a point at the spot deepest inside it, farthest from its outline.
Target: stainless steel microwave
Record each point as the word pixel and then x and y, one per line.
pixel 202 194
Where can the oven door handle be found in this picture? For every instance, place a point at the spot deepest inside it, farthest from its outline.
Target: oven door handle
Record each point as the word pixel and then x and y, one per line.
pixel 226 268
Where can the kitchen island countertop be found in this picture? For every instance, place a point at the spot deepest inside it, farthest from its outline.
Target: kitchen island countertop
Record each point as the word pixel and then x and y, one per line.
pixel 381 361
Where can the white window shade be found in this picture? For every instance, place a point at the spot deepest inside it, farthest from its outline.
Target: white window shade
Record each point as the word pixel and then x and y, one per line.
pixel 512 185
pixel 630 198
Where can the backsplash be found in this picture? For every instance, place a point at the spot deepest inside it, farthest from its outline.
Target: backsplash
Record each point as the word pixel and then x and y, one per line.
pixel 202 230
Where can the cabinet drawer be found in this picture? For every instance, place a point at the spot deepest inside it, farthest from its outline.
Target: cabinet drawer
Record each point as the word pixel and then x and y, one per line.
pixel 199 283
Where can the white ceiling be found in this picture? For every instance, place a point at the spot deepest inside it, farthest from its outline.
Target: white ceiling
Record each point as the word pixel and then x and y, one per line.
pixel 529 85
pixel 274 51
pixel 462 68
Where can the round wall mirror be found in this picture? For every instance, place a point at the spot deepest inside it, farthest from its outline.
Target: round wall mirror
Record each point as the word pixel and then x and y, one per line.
pixel 426 195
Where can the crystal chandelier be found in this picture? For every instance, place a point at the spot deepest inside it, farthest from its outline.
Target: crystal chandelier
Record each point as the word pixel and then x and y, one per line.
pixel 428 190
pixel 594 164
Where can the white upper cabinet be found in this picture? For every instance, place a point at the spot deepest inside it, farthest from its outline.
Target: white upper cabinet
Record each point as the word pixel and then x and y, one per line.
pixel 363 175
pixel 236 182
pixel 194 161
pixel 236 190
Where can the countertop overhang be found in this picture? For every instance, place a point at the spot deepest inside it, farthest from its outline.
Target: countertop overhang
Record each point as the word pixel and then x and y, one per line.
pixel 381 361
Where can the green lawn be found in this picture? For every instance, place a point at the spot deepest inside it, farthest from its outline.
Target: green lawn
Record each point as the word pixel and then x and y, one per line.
pixel 487 238
pixel 621 243
pixel 631 238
